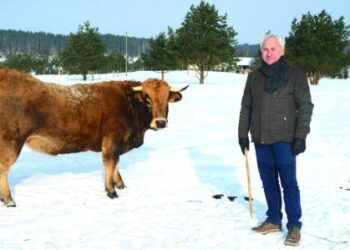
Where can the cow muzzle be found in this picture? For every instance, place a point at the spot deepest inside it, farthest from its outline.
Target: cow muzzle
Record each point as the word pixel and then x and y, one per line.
pixel 159 123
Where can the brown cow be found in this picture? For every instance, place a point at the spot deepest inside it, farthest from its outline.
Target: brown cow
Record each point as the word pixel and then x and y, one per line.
pixel 111 117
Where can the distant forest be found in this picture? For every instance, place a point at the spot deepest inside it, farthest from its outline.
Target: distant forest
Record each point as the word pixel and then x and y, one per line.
pixel 13 41
pixel 247 50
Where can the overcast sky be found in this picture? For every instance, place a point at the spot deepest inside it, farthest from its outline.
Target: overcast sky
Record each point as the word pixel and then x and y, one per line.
pixel 147 18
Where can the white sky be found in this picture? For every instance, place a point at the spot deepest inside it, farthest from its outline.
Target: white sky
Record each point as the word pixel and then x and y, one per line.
pixel 147 18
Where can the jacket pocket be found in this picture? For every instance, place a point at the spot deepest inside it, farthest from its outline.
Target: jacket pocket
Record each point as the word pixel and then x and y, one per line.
pixel 288 123
pixel 283 124
pixel 285 121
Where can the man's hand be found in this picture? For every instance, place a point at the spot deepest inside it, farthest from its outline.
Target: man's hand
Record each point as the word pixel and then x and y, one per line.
pixel 244 144
pixel 299 146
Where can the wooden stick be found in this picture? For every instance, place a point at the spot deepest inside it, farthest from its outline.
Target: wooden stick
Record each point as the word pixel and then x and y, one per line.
pixel 249 186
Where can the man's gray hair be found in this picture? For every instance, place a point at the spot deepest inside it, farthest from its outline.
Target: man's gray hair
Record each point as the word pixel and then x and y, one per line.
pixel 271 35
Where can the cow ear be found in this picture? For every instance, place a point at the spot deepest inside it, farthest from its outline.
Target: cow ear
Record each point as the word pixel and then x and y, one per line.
pixel 139 96
pixel 174 96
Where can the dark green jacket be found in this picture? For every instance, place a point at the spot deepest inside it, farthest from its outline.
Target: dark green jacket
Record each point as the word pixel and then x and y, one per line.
pixel 279 116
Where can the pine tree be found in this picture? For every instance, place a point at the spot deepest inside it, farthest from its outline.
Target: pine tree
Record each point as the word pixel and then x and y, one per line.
pixel 205 40
pixel 318 44
pixel 114 62
pixel 23 62
pixel 84 52
pixel 41 63
pixel 160 55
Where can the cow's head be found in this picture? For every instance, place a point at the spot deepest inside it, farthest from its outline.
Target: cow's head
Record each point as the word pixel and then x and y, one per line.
pixel 156 94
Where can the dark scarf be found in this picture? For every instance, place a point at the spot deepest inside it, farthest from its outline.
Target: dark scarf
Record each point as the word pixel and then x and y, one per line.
pixel 276 75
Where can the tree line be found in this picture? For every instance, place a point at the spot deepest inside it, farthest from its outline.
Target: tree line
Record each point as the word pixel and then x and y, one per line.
pixel 43 53
pixel 204 42
pixel 25 42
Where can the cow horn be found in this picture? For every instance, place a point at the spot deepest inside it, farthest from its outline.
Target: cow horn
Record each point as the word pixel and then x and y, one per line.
pixel 138 88
pixel 178 89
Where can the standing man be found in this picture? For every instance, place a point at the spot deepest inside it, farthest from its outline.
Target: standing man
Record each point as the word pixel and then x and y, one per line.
pixel 276 109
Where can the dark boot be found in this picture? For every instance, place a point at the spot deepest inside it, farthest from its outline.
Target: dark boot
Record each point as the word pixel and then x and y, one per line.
pixel 267 227
pixel 293 237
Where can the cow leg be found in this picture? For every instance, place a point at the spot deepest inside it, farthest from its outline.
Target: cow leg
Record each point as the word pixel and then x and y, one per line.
pixel 118 181
pixel 9 154
pixel 109 162
pixel 110 159
pixel 5 193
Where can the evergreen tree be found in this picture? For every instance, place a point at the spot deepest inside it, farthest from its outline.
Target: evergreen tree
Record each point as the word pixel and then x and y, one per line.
pixel 22 62
pixel 318 45
pixel 84 52
pixel 159 55
pixel 41 63
pixel 114 62
pixel 137 65
pixel 205 40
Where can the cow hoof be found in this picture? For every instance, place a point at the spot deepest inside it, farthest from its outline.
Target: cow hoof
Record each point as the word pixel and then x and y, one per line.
pixel 112 195
pixel 122 186
pixel 10 203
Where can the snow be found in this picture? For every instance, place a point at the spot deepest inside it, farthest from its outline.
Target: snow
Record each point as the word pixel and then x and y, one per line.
pixel 168 204
pixel 245 61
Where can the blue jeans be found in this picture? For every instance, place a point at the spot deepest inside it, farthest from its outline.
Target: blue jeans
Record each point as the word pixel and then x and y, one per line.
pixel 277 161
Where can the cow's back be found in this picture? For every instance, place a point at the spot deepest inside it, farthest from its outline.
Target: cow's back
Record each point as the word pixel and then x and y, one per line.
pixel 17 84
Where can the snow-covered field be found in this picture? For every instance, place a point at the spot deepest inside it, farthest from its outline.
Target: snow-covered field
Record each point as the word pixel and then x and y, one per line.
pixel 168 204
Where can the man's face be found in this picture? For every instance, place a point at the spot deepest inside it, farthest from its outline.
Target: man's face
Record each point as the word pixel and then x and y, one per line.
pixel 272 50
